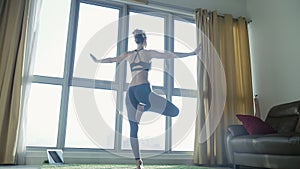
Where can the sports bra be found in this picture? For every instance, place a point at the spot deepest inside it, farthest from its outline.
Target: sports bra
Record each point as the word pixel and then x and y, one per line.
pixel 135 66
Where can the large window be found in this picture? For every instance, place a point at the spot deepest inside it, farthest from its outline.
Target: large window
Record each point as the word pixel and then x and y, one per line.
pixel 45 96
pixel 149 140
pixel 43 114
pixel 92 109
pixel 75 103
pixel 184 80
pixel 52 38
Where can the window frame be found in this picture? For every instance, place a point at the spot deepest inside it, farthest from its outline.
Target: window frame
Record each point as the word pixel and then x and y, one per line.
pixel 120 85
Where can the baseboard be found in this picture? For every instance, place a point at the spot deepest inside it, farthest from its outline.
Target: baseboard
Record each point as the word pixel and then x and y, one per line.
pixel 38 157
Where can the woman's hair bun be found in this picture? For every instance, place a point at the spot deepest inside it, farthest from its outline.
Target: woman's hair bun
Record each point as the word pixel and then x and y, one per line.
pixel 139 36
pixel 138 31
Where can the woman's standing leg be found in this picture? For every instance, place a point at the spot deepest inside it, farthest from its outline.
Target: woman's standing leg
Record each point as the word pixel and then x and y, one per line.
pixel 131 105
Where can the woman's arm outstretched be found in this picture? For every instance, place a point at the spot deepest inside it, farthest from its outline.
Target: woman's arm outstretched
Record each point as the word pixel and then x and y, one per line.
pixel 109 60
pixel 170 55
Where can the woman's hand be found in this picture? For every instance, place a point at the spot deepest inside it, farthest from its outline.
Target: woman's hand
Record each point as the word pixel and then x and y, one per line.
pixel 95 59
pixel 197 50
pixel 106 60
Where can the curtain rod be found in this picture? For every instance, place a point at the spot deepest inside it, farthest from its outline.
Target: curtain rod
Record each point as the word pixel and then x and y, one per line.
pixel 223 15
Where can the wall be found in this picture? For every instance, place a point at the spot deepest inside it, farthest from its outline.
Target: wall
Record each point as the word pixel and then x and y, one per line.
pixel 275 50
pixel 274 43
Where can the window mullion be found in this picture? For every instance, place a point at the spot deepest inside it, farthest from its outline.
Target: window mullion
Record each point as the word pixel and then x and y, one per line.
pixel 168 76
pixel 121 74
pixel 68 73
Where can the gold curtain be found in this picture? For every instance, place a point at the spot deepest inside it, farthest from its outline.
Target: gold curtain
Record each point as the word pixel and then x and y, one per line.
pixel 13 23
pixel 229 38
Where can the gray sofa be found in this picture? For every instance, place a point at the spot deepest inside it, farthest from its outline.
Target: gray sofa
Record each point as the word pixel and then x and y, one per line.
pixel 277 150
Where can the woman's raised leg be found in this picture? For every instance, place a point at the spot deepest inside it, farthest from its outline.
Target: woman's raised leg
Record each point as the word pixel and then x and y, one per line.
pixel 154 102
pixel 162 106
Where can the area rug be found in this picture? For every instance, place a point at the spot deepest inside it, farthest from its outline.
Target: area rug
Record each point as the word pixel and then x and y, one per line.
pixel 118 166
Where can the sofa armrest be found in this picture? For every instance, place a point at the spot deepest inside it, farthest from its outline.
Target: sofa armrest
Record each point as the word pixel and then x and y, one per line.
pixel 232 131
pixel 237 130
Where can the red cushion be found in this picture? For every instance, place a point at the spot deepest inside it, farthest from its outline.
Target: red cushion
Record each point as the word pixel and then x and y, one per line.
pixel 255 125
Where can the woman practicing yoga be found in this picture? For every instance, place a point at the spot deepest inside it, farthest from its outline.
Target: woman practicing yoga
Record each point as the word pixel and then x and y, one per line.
pixel 139 96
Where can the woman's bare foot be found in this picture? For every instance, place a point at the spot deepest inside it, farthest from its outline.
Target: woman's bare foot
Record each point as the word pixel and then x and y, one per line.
pixel 139 164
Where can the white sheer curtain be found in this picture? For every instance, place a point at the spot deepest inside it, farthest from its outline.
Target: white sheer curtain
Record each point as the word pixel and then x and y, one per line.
pixel 30 51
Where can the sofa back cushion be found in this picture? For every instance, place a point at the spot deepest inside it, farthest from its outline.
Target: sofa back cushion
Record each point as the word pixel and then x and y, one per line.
pixel 284 118
pixel 283 124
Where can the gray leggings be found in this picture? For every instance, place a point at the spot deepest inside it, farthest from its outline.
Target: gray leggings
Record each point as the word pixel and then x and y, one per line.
pixel 153 102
